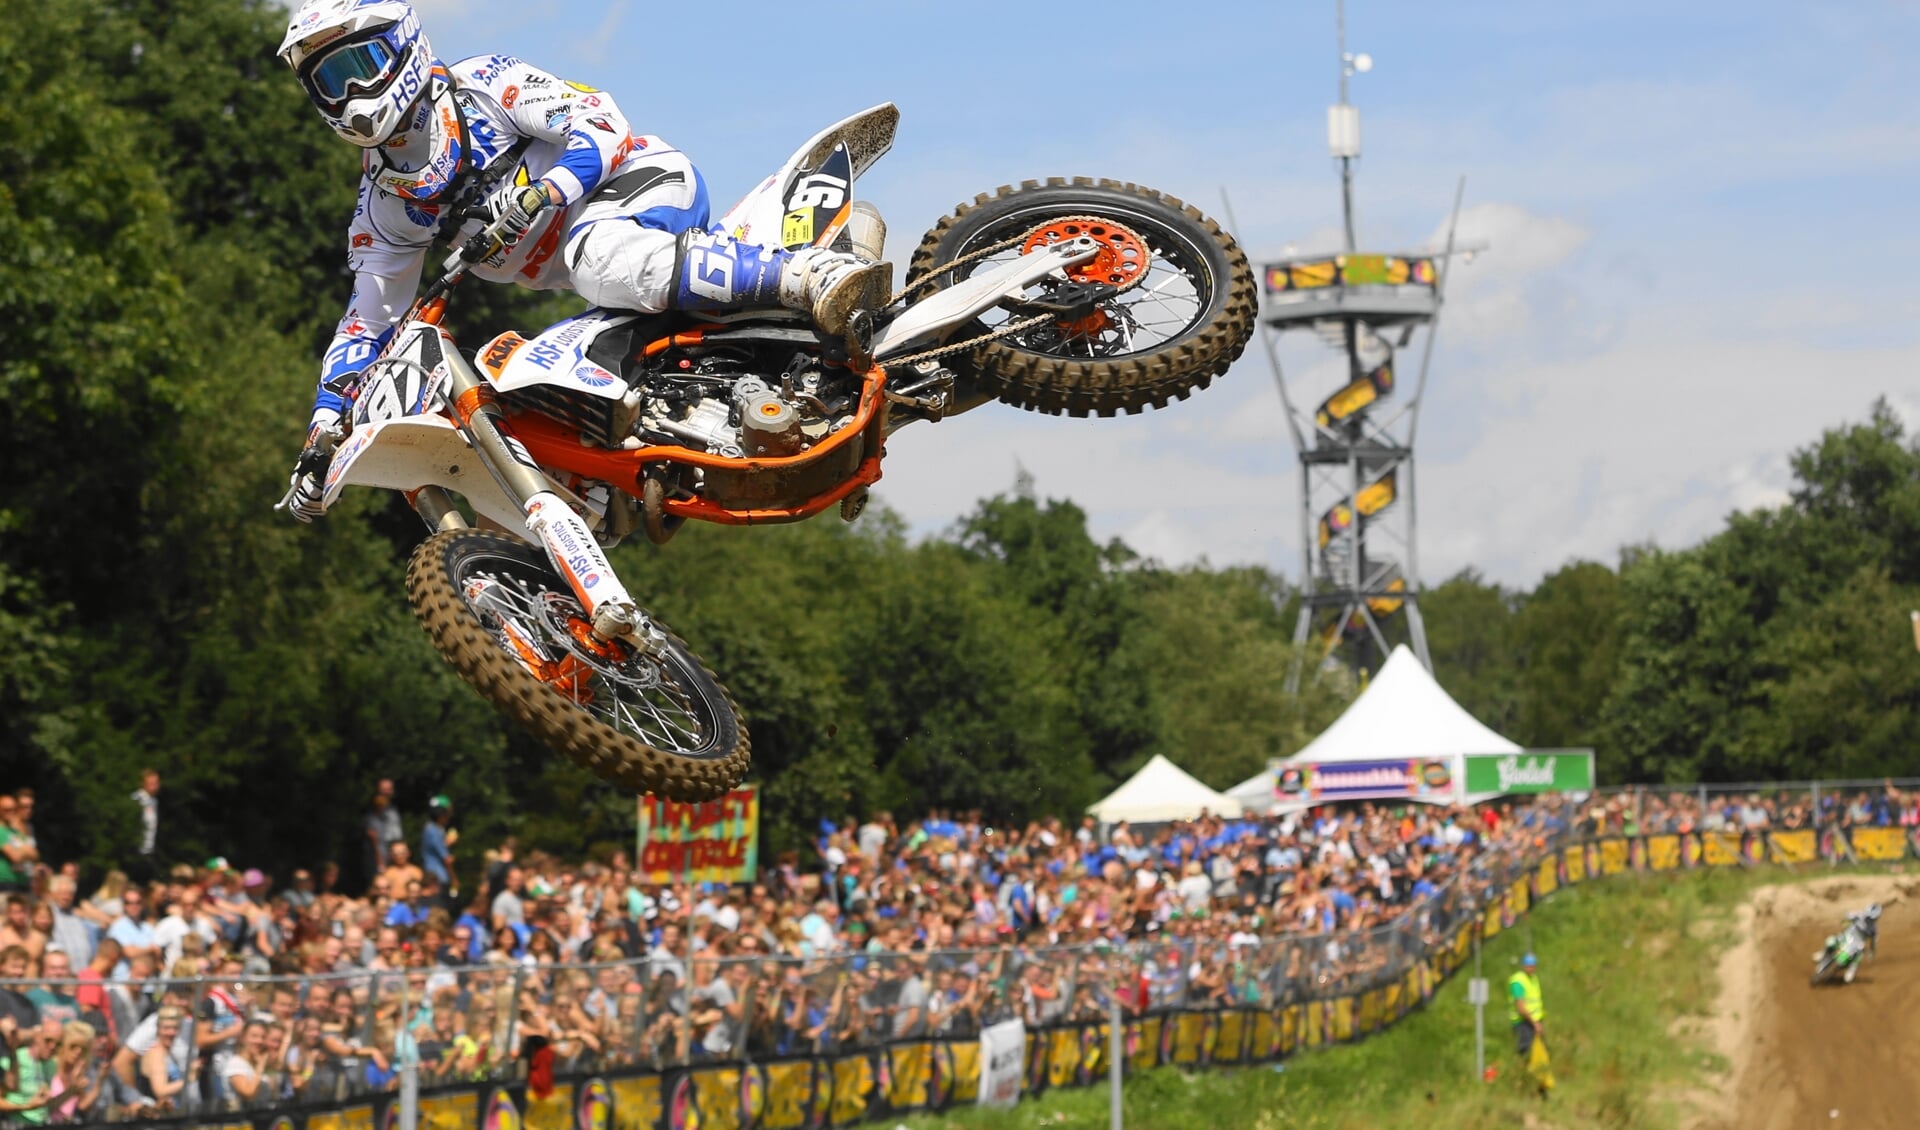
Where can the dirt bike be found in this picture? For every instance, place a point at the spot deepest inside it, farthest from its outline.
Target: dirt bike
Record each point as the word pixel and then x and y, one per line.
pixel 1841 956
pixel 1080 297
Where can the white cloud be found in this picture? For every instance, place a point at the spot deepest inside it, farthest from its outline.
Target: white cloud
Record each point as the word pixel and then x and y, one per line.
pixel 1656 439
pixel 1522 242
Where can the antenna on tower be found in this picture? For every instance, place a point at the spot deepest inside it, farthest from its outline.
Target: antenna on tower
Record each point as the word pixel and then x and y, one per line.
pixel 1360 564
pixel 1343 120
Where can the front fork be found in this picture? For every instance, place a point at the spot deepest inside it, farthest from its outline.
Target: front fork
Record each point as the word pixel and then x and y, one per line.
pixel 569 544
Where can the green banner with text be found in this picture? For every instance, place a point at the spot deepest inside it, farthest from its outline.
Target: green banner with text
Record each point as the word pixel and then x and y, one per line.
pixel 1534 771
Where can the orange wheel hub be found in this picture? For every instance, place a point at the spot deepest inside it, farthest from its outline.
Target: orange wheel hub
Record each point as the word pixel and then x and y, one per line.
pixel 1122 259
pixel 568 674
pixel 582 633
pixel 1085 327
pixel 571 678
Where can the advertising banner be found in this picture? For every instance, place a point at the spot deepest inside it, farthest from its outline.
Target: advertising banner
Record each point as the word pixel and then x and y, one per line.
pixel 1407 779
pixel 715 841
pixel 1879 844
pixel 1003 1049
pixel 1534 771
pixel 1352 270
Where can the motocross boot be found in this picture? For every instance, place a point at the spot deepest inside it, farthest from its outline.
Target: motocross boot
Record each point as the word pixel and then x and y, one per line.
pixel 717 272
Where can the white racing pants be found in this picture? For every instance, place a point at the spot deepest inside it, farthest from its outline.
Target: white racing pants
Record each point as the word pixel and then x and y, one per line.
pixel 622 247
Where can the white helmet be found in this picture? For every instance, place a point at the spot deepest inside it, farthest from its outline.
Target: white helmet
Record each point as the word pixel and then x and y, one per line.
pixel 364 63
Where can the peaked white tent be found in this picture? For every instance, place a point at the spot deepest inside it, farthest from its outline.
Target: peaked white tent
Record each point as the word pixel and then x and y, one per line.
pixel 1402 715
pixel 1159 792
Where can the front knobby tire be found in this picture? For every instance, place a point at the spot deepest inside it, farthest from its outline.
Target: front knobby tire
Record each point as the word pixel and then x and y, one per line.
pixel 676 733
pixel 1059 371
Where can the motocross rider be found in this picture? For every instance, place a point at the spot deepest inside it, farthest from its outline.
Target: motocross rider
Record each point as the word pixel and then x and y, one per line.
pixel 1867 922
pixel 617 217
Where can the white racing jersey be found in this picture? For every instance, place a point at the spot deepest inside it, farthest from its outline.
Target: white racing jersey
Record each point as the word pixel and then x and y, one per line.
pixel 575 138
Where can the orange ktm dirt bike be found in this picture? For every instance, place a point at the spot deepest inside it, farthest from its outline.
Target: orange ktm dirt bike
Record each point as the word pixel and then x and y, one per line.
pixel 1081 297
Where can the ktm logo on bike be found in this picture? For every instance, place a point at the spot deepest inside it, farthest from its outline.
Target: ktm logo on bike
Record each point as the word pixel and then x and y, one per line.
pixel 499 351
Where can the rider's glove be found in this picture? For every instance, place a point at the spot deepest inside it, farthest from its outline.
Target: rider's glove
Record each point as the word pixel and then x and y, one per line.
pixel 523 210
pixel 306 494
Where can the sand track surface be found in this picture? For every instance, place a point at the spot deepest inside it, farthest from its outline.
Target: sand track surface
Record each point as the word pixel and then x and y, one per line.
pixel 1835 1056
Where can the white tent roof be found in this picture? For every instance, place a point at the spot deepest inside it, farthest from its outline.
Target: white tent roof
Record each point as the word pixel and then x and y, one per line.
pixel 1159 792
pixel 1403 713
pixel 1257 787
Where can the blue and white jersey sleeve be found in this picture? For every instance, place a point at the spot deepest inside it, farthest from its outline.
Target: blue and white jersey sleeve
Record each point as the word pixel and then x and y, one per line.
pixel 386 250
pixel 591 132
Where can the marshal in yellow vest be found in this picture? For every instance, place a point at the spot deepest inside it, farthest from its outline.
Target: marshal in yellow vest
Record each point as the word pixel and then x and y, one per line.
pixel 1528 989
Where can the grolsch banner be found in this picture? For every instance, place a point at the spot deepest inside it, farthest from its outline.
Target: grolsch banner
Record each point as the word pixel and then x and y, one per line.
pixel 1531 771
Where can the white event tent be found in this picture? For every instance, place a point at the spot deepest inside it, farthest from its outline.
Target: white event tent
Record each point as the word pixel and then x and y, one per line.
pixel 1161 791
pixel 1403 714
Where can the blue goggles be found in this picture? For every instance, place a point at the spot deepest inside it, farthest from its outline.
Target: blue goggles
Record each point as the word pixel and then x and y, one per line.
pixel 353 68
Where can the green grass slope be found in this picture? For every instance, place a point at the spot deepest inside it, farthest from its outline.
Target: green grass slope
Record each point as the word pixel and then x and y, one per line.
pixel 1621 960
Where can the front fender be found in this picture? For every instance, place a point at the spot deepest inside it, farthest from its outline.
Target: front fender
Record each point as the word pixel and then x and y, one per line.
pixel 416 451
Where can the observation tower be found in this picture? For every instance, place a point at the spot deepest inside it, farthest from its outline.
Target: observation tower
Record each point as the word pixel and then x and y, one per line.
pixel 1358 518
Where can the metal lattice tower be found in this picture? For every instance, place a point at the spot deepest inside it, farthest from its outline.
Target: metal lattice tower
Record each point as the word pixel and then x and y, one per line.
pixel 1358 519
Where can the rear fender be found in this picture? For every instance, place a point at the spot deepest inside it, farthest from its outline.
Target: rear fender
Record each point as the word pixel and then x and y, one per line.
pixel 759 216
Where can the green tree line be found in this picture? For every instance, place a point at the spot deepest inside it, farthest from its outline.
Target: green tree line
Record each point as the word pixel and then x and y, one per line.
pixel 171 228
pixel 1777 649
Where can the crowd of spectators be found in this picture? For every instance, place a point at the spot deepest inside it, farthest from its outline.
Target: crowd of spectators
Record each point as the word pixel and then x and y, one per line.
pixel 1651 811
pixel 212 986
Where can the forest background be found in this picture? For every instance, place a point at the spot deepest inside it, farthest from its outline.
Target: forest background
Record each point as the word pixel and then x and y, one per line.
pixel 170 220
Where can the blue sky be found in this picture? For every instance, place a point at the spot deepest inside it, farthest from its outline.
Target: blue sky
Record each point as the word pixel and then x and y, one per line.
pixel 1702 218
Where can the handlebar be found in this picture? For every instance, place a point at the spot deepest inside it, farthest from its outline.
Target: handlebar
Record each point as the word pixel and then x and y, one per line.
pixel 473 249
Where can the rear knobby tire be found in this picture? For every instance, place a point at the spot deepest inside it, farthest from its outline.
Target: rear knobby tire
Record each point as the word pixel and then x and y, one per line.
pixel 1104 386
pixel 436 583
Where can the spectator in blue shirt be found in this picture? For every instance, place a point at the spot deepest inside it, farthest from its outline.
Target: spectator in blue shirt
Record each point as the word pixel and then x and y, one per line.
pixel 436 842
pixel 132 930
pixel 410 910
pixel 474 922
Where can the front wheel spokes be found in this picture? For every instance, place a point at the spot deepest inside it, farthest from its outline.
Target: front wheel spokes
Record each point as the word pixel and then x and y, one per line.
pixel 640 695
pixel 664 733
pixel 550 636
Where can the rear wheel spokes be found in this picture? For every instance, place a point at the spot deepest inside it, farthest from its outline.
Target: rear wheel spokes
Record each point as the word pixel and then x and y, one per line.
pixel 1165 304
